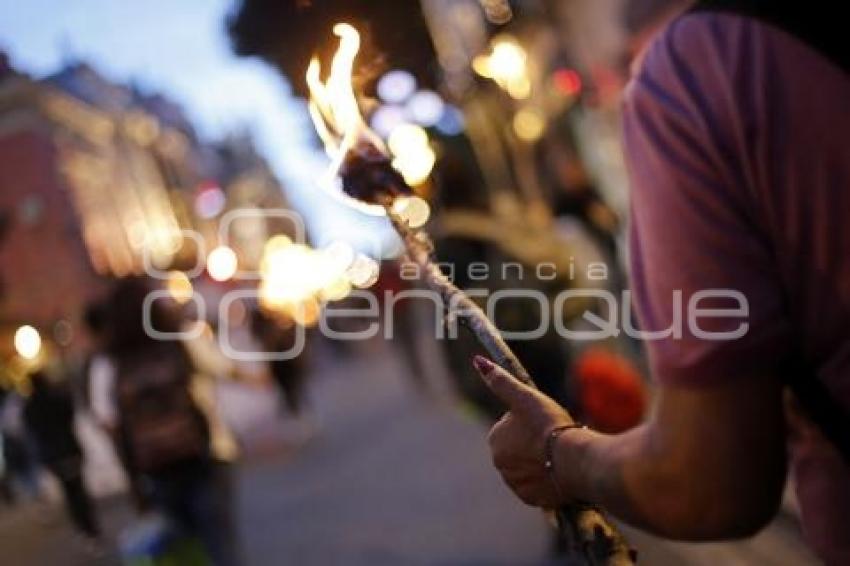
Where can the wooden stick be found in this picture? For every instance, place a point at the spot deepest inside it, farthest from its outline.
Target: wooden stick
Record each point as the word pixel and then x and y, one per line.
pixel 592 539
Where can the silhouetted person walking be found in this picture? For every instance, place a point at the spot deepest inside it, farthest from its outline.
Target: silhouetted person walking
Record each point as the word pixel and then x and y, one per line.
pixel 167 421
pixel 49 417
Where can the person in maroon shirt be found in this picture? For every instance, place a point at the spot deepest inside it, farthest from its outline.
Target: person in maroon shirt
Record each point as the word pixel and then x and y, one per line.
pixel 737 138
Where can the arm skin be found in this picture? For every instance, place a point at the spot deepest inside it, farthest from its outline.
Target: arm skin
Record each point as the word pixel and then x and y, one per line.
pixel 708 464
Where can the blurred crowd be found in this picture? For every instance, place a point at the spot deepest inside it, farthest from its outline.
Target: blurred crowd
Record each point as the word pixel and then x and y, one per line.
pixel 156 402
pixel 535 193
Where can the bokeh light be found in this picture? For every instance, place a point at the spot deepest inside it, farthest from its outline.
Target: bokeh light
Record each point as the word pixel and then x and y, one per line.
pixel 179 286
pixel 529 124
pixel 222 263
pixel 209 202
pixel 425 108
pixel 506 65
pixel 396 86
pixel 364 272
pixel 387 118
pixel 414 210
pixel 27 342
pixel 412 153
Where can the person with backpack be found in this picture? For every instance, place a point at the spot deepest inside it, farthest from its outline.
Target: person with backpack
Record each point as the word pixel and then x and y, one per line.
pixel 737 138
pixel 167 424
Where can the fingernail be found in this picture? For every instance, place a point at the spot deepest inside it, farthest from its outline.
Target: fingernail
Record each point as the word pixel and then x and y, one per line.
pixel 482 364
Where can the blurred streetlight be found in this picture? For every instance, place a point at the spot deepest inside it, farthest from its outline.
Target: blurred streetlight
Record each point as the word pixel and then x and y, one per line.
pixel 387 118
pixel 412 153
pixel 364 272
pixel 276 242
pixel 425 108
pixel 335 290
pixel 340 255
pixel 529 124
pixel 451 122
pixel 290 274
pixel 295 277
pixel 179 286
pixel 222 263
pixel 396 86
pixel 27 342
pixel 414 210
pixel 567 82
pixel 506 66
pixel 210 201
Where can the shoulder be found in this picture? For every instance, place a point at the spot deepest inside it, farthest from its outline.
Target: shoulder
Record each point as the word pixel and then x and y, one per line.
pixel 705 58
pixel 704 40
pixel 693 92
pixel 720 50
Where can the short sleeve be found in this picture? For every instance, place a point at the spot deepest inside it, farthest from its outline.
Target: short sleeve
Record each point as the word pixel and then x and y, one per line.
pixel 692 227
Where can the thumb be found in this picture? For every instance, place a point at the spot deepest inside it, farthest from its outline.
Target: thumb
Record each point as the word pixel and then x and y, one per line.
pixel 518 396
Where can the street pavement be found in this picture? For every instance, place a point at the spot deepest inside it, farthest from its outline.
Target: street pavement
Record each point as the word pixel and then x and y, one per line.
pixel 385 474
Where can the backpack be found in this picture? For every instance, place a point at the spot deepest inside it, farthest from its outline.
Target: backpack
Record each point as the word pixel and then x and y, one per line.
pixel 161 425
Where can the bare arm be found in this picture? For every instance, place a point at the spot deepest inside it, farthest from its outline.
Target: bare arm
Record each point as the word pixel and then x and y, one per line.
pixel 709 463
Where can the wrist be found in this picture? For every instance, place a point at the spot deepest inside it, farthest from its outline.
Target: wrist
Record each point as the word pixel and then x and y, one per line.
pixel 570 462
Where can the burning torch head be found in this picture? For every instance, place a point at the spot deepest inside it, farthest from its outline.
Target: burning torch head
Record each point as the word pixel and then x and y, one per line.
pixel 359 156
pixel 368 176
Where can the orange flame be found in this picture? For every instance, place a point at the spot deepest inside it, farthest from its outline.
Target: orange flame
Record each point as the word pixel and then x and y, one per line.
pixel 336 115
pixel 333 104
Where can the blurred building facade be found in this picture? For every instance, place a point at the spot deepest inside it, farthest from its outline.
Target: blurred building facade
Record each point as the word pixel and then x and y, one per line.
pixel 96 179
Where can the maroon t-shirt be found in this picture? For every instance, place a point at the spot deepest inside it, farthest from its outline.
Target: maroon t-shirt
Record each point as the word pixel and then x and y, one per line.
pixel 738 145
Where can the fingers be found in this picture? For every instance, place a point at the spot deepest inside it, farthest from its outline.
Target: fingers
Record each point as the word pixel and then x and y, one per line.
pixel 516 449
pixel 511 447
pixel 501 439
pixel 516 395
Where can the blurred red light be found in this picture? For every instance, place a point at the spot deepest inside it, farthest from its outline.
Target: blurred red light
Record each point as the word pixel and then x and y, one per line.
pixel 567 81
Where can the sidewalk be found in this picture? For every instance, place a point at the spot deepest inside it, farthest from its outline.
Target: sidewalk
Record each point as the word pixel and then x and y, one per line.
pixel 393 476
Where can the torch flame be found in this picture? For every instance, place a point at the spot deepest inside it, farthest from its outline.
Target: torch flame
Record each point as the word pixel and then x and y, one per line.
pixel 333 104
pixel 336 116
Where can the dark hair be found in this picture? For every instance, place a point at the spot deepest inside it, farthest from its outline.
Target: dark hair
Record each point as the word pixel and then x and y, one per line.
pixel 96 317
pixel 126 316
pixel 39 382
